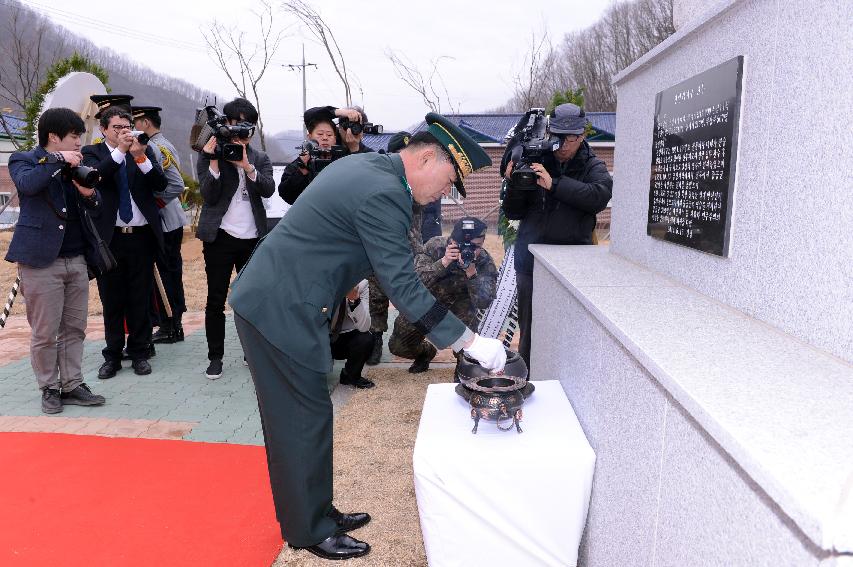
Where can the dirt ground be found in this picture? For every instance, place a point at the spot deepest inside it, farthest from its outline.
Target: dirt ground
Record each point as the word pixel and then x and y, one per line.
pixel 195 280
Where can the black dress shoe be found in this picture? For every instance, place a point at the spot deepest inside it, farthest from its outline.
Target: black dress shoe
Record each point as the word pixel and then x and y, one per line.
pixel 359 382
pixel 164 335
pixel 109 369
pixel 348 522
pixel 141 367
pixel 339 546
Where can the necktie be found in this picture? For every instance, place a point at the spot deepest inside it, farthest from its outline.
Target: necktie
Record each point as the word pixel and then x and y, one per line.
pixel 125 211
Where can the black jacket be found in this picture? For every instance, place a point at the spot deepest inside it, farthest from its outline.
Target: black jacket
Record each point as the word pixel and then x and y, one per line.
pixel 39 232
pixel 565 214
pixel 142 188
pixel 216 193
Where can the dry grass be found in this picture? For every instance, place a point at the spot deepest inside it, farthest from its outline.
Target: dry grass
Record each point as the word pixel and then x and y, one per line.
pixel 374 440
pixel 195 280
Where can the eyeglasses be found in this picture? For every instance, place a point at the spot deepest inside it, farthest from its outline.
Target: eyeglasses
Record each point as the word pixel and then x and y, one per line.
pixel 120 127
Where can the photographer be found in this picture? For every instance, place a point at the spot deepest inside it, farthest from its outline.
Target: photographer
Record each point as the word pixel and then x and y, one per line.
pixel 130 225
pixel 319 122
pixel 51 244
pixel 572 186
pixel 232 218
pixel 462 285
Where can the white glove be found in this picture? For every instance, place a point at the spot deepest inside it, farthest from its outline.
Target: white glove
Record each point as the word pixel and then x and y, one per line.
pixel 489 353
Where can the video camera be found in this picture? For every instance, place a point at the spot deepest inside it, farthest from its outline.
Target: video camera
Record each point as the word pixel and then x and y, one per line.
pixel 318 158
pixel 467 249
pixel 531 142
pixel 357 127
pixel 210 122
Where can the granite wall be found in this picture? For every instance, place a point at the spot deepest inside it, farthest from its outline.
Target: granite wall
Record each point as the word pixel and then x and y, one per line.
pixel 664 492
pixel 791 257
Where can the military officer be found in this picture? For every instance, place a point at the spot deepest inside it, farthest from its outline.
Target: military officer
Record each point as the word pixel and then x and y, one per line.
pixel 350 221
pixel 169 262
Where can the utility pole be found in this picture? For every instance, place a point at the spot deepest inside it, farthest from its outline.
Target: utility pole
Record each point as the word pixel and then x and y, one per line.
pixel 301 67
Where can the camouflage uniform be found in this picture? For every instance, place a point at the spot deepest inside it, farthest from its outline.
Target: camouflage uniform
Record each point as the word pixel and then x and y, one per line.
pixel 378 299
pixel 453 289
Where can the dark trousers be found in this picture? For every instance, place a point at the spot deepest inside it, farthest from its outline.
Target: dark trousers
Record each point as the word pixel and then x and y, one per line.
pixel 221 256
pixel 126 294
pixel 378 306
pixel 296 416
pixel 170 264
pixel 354 347
pixel 524 285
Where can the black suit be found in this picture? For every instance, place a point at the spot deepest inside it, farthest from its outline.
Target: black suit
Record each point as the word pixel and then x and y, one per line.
pixel 126 291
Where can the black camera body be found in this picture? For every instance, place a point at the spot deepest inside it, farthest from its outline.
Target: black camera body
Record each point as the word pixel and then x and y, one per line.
pixel 467 249
pixel 85 176
pixel 531 144
pixel 210 122
pixel 357 127
pixel 318 158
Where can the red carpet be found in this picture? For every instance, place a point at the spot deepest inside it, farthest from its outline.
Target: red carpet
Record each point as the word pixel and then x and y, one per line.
pixel 74 500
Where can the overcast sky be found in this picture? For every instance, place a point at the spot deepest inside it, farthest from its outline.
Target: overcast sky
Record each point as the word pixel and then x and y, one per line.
pixel 485 43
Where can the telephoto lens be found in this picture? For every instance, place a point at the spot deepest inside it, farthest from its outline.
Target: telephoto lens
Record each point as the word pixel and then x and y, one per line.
pixel 85 176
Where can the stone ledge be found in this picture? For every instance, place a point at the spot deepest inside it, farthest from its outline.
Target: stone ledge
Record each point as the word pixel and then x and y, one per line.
pixel 781 408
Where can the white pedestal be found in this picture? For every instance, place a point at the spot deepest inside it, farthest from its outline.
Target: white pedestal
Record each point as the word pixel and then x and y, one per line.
pixel 500 497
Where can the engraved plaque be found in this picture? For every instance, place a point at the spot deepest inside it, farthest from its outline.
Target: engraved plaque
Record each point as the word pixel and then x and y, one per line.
pixel 693 159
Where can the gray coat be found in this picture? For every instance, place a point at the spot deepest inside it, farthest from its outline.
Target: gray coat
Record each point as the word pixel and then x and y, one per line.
pixel 217 193
pixel 172 213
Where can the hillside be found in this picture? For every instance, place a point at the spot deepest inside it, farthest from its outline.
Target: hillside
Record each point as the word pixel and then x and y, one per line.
pixel 30 43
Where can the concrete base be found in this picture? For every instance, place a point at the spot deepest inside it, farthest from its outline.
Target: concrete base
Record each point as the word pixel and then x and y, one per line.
pixel 720 441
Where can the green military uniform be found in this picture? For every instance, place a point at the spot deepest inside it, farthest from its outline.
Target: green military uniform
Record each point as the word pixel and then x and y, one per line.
pixel 378 298
pixel 352 220
pixel 462 295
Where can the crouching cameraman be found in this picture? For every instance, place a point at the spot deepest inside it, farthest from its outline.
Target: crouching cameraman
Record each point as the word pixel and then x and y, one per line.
pixel 327 141
pixel 461 275
pixel 571 186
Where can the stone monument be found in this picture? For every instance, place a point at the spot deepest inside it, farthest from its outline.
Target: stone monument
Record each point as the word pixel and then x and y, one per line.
pixel 708 351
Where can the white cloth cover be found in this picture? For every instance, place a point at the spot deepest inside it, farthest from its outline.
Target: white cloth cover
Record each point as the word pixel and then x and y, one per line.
pixel 500 497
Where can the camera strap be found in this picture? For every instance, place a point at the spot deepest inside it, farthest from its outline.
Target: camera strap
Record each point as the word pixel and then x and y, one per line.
pixel 49 201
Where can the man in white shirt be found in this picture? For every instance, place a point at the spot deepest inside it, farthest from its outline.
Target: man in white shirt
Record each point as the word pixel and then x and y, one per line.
pixel 351 338
pixel 232 218
pixel 130 224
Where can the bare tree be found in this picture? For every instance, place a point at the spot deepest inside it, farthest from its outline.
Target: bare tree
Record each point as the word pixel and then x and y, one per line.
pixel 409 73
pixel 245 58
pixel 321 30
pixel 25 53
pixel 591 57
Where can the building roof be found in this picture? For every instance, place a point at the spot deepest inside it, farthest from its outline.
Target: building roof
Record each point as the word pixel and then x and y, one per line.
pixel 15 124
pixel 493 128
